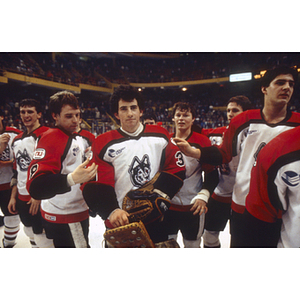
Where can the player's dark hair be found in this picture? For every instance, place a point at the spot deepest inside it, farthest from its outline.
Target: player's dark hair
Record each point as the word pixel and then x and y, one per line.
pixel 276 71
pixel 241 100
pixel 127 93
pixel 184 106
pixel 150 116
pixel 31 103
pixel 58 100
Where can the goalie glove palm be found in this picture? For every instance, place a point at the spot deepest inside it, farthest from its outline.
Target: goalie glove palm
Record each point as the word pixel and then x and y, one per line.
pixel 145 206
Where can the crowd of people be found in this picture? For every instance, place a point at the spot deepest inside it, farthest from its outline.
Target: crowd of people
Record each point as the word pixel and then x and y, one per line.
pixel 193 180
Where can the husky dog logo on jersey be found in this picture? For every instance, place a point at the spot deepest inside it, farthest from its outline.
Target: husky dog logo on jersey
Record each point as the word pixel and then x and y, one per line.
pixel 23 160
pixel 5 156
pixel 140 170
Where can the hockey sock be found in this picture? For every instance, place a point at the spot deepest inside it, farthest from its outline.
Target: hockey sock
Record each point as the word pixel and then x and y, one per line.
pixel 11 229
pixel 42 241
pixel 211 239
pixel 29 232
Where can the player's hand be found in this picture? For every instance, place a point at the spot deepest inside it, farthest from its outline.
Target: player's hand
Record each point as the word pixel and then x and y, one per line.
pixel 4 139
pixel 199 207
pixel 186 148
pixel 34 206
pixel 12 206
pixel 83 173
pixel 119 217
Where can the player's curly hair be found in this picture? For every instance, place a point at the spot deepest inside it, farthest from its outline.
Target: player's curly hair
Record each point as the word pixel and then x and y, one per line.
pixel 58 100
pixel 127 93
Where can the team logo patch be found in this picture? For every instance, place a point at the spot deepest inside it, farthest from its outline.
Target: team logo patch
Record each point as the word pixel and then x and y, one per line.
pixel 113 153
pixel 39 153
pixel 50 218
pixel 291 178
pixel 23 160
pixel 33 170
pixel 5 156
pixel 140 170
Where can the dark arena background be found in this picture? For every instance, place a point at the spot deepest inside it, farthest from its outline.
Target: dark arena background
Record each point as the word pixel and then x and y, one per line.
pixel 205 79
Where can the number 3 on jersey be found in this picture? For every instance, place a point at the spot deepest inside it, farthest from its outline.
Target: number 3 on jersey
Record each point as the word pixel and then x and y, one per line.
pixel 179 159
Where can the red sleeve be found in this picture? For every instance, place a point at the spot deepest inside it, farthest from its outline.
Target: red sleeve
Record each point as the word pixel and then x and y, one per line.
pixel 46 157
pixel 206 131
pixel 105 173
pixel 258 202
pixel 173 162
pixel 229 145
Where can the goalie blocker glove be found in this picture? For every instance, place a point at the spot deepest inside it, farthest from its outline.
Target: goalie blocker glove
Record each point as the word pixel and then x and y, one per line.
pixel 147 203
pixel 150 202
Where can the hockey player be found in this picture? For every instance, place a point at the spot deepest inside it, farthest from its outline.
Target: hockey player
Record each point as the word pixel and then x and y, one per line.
pixel 23 147
pixel 219 204
pixel 272 205
pixel 188 206
pixel 56 172
pixel 149 119
pixel 11 222
pixel 128 158
pixel 247 134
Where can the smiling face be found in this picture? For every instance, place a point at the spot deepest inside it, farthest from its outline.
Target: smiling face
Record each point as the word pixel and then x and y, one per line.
pixel 30 117
pixel 68 119
pixel 129 115
pixel 280 90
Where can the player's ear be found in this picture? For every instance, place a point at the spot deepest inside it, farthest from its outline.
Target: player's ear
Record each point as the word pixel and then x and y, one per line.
pixel 54 116
pixel 117 116
pixel 264 89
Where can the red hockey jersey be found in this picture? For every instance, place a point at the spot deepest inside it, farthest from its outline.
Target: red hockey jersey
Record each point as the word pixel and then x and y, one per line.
pixel 58 153
pixel 275 186
pixel 193 182
pixel 227 171
pixel 128 162
pixel 23 148
pixel 247 134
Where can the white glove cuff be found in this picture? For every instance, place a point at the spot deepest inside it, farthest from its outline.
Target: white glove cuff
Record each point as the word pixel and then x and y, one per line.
pixel 202 195
pixel 159 192
pixel 70 179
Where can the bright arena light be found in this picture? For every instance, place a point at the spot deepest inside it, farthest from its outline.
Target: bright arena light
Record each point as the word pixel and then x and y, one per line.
pixel 240 77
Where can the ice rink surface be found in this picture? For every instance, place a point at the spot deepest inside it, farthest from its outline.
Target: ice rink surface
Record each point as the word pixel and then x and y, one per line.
pixel 96 236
